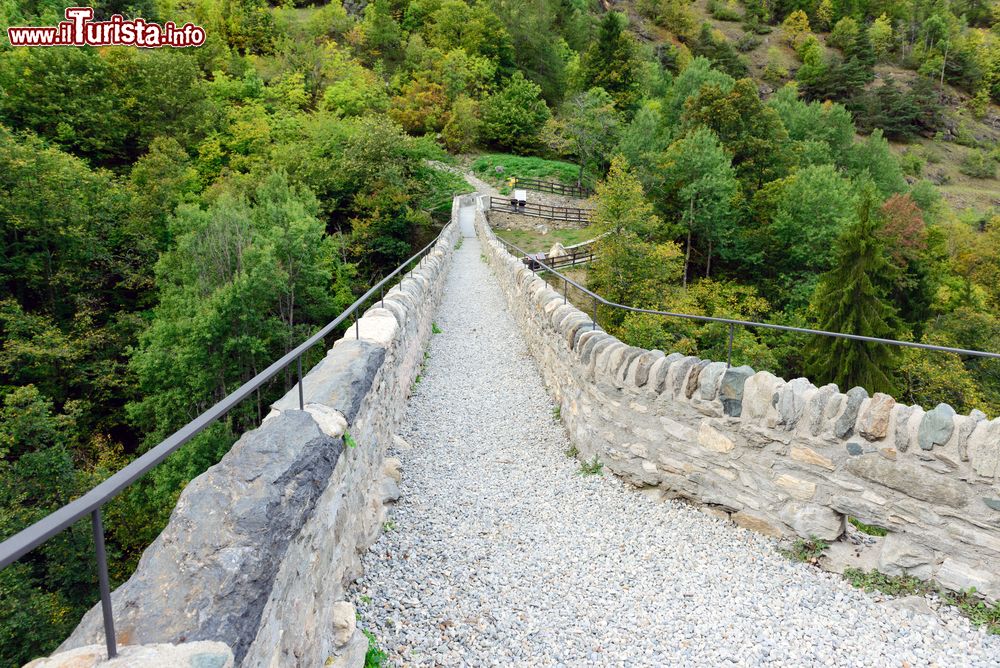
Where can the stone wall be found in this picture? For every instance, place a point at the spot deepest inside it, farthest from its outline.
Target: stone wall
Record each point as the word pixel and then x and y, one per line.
pixel 785 458
pixel 260 547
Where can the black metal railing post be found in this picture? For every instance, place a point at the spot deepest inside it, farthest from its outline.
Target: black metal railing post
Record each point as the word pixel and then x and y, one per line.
pixel 103 582
pixel 298 363
pixel 565 291
pixel 729 353
pixel 595 315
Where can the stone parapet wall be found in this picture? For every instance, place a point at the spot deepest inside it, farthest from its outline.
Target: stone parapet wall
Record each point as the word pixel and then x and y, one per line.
pixel 785 458
pixel 260 547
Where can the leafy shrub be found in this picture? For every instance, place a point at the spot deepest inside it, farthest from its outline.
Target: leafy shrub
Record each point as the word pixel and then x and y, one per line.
pixel 979 165
pixel 912 161
pixel 748 42
pixel 723 10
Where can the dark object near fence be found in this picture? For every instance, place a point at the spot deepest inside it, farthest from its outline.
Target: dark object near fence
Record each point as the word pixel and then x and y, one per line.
pixel 553 187
pixel 90 504
pixel 540 210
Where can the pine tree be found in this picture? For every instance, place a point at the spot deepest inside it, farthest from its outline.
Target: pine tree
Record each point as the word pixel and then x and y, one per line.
pixel 611 63
pixel 852 299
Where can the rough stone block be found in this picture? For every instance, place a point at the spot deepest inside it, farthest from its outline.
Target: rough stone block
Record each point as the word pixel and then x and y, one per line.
pixel 209 574
pixel 911 479
pixel 961 576
pixel 984 448
pixel 936 427
pixel 902 415
pixel 810 456
pixel 817 406
pixel 710 379
pixel 714 440
pixel 798 488
pixel 202 654
pixel 902 556
pixel 757 390
pixel 644 365
pixel 758 524
pixel 844 426
pixel 810 520
pixel 692 379
pixel 792 402
pixel 732 389
pixel 341 380
pixel 874 422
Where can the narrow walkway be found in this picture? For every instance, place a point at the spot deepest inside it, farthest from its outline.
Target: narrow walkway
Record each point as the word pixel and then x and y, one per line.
pixel 500 554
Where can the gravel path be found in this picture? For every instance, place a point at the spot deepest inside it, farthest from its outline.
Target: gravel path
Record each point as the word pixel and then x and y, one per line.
pixel 499 553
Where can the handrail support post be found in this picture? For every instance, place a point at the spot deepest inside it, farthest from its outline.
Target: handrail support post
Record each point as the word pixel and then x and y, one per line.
pixel 298 363
pixel 729 353
pixel 103 582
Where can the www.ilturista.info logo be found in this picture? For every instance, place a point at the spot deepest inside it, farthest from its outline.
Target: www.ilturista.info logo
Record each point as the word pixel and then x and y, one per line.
pixel 79 30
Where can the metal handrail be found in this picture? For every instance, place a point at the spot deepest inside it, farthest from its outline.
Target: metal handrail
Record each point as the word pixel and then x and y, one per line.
pixel 733 322
pixel 91 502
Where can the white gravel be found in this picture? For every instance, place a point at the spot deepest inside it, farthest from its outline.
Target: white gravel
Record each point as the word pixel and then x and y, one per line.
pixel 499 553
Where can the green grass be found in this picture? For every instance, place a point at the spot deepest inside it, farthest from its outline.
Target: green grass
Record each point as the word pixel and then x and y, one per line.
pixel 571 452
pixel 458 244
pixel 349 440
pixel 536 242
pixel 869 529
pixel 806 551
pixel 388 526
pixel 557 413
pixel 375 657
pixel 523 167
pixel 435 329
pixel 439 190
pixel 894 585
pixel 970 604
pixel 593 467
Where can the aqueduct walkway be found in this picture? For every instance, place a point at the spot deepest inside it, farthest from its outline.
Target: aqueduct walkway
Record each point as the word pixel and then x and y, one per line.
pixel 500 553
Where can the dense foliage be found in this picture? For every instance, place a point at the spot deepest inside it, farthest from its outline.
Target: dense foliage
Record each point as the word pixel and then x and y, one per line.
pixel 171 221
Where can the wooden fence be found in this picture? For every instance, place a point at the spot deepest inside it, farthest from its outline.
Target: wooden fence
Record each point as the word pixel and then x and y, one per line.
pixel 541 210
pixel 553 187
pixel 570 259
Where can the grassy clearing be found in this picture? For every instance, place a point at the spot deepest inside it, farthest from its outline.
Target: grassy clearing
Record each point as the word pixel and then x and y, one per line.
pixel 536 242
pixel 515 165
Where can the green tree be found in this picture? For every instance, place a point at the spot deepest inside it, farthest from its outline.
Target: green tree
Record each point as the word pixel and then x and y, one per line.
pixel 630 267
pixel 696 75
pixel 461 132
pixel 751 131
pixel 514 116
pixel 802 216
pixel 620 205
pixel 699 186
pixel 612 63
pixel 881 36
pixel 590 127
pixel 852 299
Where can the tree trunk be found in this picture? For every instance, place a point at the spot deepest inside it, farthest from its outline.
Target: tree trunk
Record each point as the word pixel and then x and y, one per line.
pixel 708 266
pixel 687 252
